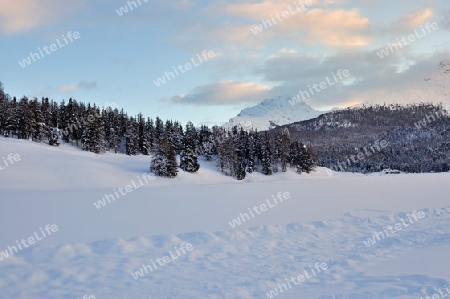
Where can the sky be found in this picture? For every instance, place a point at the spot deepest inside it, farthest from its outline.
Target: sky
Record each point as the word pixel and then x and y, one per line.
pixel 218 62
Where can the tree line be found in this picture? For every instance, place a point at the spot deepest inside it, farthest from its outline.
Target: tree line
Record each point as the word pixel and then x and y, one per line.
pixel 237 152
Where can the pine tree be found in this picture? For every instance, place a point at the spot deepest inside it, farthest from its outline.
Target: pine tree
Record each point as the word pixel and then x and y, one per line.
pixel 26 120
pixel 208 147
pixel 227 155
pixel 93 136
pixel 251 152
pixel 12 119
pixel 39 126
pixel 284 149
pixel 306 160
pixel 98 132
pixel 132 137
pixel 159 131
pixel 266 154
pixel 150 127
pixel 206 143
pixel 144 142
pixel 241 153
pixel 276 152
pixel 3 110
pixel 164 162
pixel 47 117
pixel 294 156
pixel 188 156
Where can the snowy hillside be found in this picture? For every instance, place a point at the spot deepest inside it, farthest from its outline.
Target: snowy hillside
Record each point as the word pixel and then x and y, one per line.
pixel 174 238
pixel 273 112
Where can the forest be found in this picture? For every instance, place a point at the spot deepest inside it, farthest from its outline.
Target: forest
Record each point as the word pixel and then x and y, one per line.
pixel 418 137
pixel 98 130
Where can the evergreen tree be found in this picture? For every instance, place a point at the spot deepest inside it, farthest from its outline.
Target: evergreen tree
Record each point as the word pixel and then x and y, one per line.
pixel 206 143
pixel 208 147
pixel 144 142
pixel 39 126
pixel 93 136
pixel 3 110
pixel 227 156
pixel 241 154
pixel 266 154
pixel 132 137
pixel 305 158
pixel 294 156
pixel 251 151
pixel 188 156
pixel 12 119
pixel 164 161
pixel 285 141
pixel 26 120
pixel 159 131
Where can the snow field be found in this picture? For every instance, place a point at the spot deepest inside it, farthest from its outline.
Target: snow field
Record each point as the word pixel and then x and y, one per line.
pixel 327 219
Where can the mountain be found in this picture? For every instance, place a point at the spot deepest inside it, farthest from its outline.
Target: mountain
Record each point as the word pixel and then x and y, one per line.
pixel 271 113
pixel 416 138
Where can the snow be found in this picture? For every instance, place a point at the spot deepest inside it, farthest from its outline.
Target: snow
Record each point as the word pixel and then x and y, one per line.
pixel 327 218
pixel 277 111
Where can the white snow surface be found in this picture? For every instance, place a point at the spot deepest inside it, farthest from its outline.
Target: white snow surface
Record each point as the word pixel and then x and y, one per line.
pixel 273 112
pixel 327 218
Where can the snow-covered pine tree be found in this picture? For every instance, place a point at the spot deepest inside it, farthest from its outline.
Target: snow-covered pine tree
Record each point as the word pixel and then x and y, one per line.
pixel 159 131
pixel 39 130
pixel 114 130
pixel 144 143
pixel 251 151
pixel 177 132
pixel 241 153
pixel 98 132
pixel 25 120
pixel 164 162
pixel 207 145
pixel 266 154
pixel 150 127
pixel 132 137
pixel 3 110
pixel 188 156
pixel 227 155
pixel 306 160
pixel 276 152
pixel 47 116
pixel 12 119
pixel 93 137
pixel 294 156
pixel 284 149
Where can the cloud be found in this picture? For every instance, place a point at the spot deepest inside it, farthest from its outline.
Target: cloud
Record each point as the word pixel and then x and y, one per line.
pixel 397 78
pixel 19 16
pixel 223 93
pixel 86 85
pixel 418 17
pixel 307 24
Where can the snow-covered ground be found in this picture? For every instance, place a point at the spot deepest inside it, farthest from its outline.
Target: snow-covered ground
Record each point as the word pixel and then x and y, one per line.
pixel 326 219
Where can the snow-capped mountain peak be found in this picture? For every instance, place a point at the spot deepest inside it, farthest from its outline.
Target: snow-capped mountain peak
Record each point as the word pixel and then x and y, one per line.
pixel 273 112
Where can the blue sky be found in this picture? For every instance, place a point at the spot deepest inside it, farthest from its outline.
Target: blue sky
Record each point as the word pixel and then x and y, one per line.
pixel 116 59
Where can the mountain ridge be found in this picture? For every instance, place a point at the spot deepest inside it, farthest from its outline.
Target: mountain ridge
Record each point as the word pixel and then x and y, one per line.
pixel 273 112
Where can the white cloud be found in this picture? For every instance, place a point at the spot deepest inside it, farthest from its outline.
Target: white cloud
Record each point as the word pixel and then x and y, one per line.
pixel 223 93
pixel 86 85
pixel 18 16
